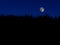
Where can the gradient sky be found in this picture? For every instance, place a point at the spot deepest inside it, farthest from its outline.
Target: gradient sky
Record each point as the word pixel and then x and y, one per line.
pixel 52 7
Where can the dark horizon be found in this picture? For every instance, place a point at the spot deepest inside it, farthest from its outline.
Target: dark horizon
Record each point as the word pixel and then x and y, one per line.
pixel 29 24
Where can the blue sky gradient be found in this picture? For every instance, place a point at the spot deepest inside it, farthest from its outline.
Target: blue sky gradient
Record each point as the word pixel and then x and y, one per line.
pixel 21 7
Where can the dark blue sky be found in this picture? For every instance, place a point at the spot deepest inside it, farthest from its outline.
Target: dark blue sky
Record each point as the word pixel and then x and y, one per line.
pixel 52 7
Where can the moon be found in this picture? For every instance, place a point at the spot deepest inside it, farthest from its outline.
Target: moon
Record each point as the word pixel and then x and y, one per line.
pixel 42 9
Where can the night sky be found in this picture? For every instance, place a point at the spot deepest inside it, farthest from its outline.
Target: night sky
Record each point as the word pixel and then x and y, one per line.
pixel 21 7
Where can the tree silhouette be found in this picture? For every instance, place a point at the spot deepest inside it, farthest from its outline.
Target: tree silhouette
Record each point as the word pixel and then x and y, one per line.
pixel 29 24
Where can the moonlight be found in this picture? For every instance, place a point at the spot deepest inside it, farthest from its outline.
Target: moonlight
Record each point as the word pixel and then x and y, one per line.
pixel 42 9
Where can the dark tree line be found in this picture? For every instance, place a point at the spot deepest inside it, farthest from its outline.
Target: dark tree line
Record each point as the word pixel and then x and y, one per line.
pixel 29 24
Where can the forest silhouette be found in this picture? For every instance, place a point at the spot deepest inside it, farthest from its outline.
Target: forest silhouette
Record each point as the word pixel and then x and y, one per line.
pixel 29 24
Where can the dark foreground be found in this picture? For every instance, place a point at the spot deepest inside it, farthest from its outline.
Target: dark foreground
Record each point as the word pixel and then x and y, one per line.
pixel 29 24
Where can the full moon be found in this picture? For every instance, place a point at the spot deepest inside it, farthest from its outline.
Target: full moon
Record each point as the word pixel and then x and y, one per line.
pixel 42 9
